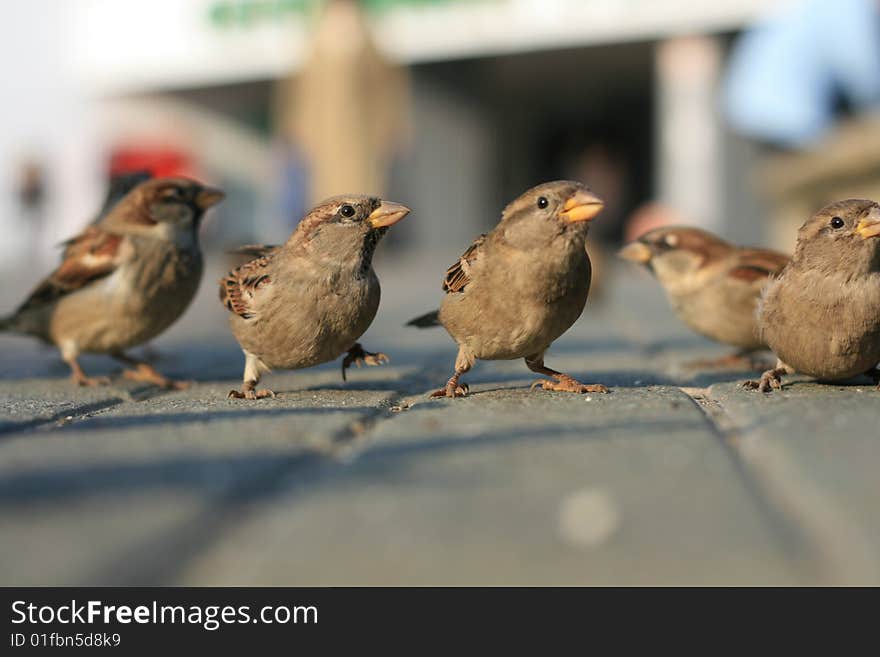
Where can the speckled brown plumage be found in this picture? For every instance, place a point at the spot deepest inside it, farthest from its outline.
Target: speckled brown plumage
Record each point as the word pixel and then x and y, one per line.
pixel 308 301
pixel 123 280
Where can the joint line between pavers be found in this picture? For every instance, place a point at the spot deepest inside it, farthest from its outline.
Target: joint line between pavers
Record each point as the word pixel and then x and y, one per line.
pixel 812 522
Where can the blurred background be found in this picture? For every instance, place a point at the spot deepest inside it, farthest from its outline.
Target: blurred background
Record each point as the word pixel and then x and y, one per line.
pixel 740 116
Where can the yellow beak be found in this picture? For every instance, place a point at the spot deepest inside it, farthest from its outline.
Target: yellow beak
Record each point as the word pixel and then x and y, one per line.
pixel 870 225
pixel 209 196
pixel 387 214
pixel 582 206
pixel 636 252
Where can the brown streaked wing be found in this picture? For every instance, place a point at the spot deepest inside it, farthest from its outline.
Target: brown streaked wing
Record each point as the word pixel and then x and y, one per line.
pixel 238 287
pixel 458 275
pixel 754 264
pixel 89 256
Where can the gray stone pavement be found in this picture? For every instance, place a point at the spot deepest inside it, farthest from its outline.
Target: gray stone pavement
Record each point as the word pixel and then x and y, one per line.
pixel 676 477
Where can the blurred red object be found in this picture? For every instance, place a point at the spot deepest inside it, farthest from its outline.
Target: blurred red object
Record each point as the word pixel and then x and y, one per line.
pixel 160 162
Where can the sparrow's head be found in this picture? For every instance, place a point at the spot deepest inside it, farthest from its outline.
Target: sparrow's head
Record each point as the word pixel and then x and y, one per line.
pixel 169 207
pixel 550 209
pixel 672 252
pixel 347 227
pixel 841 237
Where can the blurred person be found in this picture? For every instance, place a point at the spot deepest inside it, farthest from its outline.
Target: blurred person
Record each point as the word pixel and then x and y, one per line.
pixel 788 72
pixel 346 110
pixel 31 195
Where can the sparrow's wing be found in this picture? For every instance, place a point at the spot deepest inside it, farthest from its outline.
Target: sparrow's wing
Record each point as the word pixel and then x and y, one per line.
pixel 459 275
pixel 239 287
pixel 755 264
pixel 254 250
pixel 91 255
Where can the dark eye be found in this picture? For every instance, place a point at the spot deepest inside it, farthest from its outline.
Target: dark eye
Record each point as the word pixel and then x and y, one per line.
pixel 837 222
pixel 346 211
pixel 543 202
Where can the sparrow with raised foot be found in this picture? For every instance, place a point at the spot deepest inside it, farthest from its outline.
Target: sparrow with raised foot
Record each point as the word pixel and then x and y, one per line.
pixel 308 301
pixel 712 285
pixel 123 280
pixel 821 315
pixel 520 286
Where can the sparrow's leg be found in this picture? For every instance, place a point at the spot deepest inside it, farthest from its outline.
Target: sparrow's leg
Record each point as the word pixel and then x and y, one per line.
pixel 143 371
pixel 357 356
pixel 771 379
pixel 79 377
pixel 563 383
pixel 70 353
pixel 742 359
pixel 251 379
pixel 463 362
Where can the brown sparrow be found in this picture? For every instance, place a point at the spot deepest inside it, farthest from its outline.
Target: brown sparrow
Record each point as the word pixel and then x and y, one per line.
pixel 123 280
pixel 307 301
pixel 712 285
pixel 521 285
pixel 821 315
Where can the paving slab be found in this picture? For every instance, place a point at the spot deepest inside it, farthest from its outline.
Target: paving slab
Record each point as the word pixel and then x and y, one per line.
pixel 509 487
pixel 815 449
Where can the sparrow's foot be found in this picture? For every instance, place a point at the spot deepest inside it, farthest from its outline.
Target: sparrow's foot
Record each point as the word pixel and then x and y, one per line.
pixel 565 383
pixel 147 373
pixel 770 380
pixel 452 391
pixel 90 381
pixel 78 377
pixel 359 357
pixel 250 394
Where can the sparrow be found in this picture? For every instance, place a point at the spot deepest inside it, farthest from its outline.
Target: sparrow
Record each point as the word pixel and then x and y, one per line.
pixel 520 286
pixel 308 301
pixel 712 285
pixel 123 280
pixel 821 315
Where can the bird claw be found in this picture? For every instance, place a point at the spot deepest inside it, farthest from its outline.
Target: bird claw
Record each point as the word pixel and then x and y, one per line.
pixel 769 381
pixel 91 381
pixel 250 394
pixel 146 373
pixel 568 384
pixel 460 390
pixel 358 357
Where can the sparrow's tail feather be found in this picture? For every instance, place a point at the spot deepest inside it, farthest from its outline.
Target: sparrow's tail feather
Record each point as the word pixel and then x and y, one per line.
pixel 426 321
pixel 7 323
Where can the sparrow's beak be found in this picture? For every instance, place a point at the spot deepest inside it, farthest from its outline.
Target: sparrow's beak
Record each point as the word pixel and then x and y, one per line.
pixel 581 206
pixel 636 252
pixel 209 196
pixel 870 225
pixel 387 214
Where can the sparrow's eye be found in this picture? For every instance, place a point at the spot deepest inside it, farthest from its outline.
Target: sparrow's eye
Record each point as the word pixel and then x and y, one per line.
pixel 346 211
pixel 543 202
pixel 837 222
pixel 671 240
pixel 170 196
